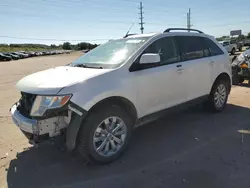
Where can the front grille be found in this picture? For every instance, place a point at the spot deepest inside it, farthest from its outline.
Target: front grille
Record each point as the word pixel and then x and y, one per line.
pixel 25 104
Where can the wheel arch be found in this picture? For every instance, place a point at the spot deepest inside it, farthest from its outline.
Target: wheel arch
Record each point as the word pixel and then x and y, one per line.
pixel 224 76
pixel 76 123
pixel 120 101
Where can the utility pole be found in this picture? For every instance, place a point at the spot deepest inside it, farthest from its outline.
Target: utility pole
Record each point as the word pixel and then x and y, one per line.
pixel 141 17
pixel 189 19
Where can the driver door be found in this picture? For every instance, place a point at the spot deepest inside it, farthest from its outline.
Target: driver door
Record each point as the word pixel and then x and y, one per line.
pixel 159 84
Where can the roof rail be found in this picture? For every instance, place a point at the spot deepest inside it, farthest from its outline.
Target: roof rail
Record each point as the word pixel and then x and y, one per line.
pixel 181 29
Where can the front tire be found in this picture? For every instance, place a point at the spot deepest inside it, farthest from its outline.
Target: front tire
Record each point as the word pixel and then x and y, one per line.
pixel 218 96
pixel 104 134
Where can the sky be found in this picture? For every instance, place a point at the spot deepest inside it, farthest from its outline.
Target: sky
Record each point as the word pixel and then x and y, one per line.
pixel 96 21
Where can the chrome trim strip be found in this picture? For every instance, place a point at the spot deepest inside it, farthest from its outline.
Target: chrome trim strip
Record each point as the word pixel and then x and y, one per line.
pixel 75 110
pixel 22 122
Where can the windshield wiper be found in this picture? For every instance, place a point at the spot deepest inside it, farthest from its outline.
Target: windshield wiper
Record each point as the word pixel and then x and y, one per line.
pixel 88 66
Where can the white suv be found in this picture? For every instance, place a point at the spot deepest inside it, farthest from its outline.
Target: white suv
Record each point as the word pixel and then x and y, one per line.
pixel 99 98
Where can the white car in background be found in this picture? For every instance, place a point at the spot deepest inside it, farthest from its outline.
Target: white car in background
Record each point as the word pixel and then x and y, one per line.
pixel 98 99
pixel 229 46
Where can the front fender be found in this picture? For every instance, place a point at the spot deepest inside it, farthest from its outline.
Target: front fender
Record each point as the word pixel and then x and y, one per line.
pixel 90 92
pixel 89 100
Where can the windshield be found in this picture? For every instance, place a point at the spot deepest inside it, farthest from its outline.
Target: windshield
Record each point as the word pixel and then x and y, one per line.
pixel 111 54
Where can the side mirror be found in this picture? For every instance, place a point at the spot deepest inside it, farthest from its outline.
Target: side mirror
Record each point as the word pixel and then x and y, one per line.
pixel 150 58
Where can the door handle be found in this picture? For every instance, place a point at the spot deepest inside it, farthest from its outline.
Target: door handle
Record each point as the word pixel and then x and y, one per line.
pixel 179 70
pixel 211 63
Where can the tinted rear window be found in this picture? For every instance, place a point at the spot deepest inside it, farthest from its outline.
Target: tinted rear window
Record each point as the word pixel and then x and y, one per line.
pixel 213 48
pixel 192 47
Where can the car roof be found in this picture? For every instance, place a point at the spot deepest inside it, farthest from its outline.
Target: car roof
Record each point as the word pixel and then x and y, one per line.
pixel 173 33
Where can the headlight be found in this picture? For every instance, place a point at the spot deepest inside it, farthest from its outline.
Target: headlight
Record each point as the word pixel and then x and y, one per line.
pixel 43 103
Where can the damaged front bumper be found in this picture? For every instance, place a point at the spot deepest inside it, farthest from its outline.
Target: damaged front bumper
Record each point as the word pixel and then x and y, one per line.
pixel 39 130
pixel 25 124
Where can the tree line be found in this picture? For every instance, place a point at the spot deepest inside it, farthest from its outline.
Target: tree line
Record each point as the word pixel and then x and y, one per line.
pixel 65 46
pixel 240 37
pixel 28 46
pixel 79 46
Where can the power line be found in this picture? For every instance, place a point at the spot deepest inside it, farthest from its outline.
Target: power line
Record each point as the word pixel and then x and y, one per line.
pixel 32 16
pixel 77 3
pixel 56 6
pixel 73 4
pixel 50 39
pixel 228 24
pixel 33 8
pixel 169 17
pixel 98 21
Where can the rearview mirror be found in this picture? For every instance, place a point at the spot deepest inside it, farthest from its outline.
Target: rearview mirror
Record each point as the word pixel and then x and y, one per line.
pixel 150 58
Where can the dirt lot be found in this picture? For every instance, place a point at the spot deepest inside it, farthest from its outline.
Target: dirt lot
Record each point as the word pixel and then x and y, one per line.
pixel 189 149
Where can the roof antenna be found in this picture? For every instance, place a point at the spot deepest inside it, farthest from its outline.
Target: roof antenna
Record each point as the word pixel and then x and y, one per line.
pixel 127 34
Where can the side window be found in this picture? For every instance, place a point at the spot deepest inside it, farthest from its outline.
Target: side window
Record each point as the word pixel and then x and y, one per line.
pixel 213 48
pixel 191 47
pixel 166 48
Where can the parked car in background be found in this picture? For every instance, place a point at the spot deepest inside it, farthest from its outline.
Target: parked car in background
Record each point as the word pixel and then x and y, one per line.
pixel 53 52
pixel 32 54
pixel 17 54
pixel 14 57
pixel 85 51
pixel 38 53
pixel 22 54
pixel 230 46
pixel 26 54
pixel 5 57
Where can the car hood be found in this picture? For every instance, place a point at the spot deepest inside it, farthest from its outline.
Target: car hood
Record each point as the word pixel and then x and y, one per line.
pixel 51 81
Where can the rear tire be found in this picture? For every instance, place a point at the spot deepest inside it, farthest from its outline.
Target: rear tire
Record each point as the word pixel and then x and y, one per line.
pixel 97 129
pixel 218 96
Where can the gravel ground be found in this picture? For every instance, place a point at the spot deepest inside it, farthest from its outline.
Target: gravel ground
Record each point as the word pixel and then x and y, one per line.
pixel 189 149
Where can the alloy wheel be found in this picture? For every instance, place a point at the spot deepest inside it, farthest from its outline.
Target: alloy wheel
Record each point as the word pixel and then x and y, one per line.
pixel 220 95
pixel 109 136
